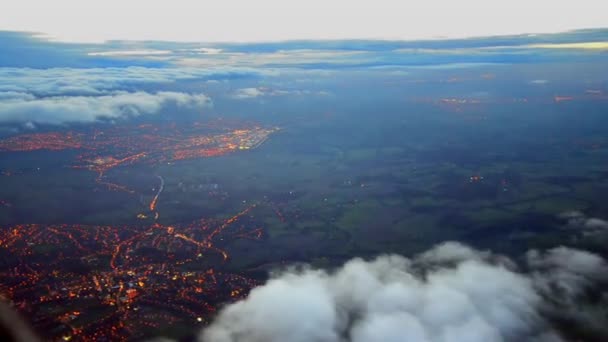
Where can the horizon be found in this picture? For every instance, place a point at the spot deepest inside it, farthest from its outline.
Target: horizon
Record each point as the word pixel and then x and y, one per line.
pixel 48 38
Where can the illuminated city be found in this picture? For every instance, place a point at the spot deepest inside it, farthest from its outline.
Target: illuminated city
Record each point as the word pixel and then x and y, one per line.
pixel 101 277
pixel 103 150
pixel 90 282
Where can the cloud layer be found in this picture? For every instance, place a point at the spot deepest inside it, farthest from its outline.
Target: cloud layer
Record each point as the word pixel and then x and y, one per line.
pixel 65 95
pixel 450 293
pixel 249 93
pixel 100 81
pixel 23 107
pixel 578 221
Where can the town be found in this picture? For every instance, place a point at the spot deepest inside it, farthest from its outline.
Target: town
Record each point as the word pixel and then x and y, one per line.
pixel 83 282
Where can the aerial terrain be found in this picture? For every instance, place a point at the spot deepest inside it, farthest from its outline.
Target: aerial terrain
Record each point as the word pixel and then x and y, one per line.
pixel 147 185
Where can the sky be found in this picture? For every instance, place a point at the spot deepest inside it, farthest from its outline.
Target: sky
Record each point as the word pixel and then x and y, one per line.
pixel 55 83
pixel 274 20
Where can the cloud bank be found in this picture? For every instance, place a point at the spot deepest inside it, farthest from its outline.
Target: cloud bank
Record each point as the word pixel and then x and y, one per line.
pixel 17 107
pixel 578 221
pixel 100 81
pixel 250 93
pixel 450 293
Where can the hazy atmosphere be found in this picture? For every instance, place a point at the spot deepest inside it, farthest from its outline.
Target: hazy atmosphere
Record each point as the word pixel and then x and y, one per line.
pixel 352 171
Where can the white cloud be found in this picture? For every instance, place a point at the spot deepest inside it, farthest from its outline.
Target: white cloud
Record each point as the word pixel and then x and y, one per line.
pixel 65 109
pixel 539 82
pixel 284 58
pixel 208 51
pixel 572 261
pixel 29 125
pixel 59 95
pixel 249 93
pixel 127 53
pixel 100 81
pixel 451 251
pixel 15 95
pixel 451 293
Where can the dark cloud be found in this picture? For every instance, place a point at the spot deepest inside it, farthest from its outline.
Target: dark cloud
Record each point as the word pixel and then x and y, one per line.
pixel 580 222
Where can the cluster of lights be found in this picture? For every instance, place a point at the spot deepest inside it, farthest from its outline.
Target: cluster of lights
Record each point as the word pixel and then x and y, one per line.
pixel 122 280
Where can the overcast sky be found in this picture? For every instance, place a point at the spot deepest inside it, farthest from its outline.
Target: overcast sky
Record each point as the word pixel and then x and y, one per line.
pixel 263 20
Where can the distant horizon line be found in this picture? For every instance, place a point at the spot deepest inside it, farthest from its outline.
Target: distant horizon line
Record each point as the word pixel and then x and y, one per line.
pixel 50 38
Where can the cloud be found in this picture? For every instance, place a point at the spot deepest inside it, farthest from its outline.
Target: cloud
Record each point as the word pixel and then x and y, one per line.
pixel 288 58
pixel 539 82
pixel 25 108
pixel 578 45
pixel 565 277
pixel 101 81
pixel 141 53
pixel 208 51
pixel 61 95
pixel 570 261
pixel 15 95
pixel 596 223
pixel 249 93
pixel 588 225
pixel 450 293
pixel 22 49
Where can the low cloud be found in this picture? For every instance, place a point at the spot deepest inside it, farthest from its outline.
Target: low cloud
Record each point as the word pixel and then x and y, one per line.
pixel 15 95
pixel 288 58
pixel 576 46
pixel 208 51
pixel 104 81
pixel 129 53
pixel 247 93
pixel 26 108
pixel 577 220
pixel 250 93
pixel 450 293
